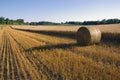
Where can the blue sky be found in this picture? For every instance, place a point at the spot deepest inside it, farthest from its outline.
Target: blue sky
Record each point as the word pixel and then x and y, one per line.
pixel 60 10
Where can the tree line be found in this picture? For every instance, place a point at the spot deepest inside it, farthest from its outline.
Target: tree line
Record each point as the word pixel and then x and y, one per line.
pixel 10 21
pixel 104 21
pixel 21 22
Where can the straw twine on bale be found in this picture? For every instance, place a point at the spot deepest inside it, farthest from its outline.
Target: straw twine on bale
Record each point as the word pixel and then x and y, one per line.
pixel 88 35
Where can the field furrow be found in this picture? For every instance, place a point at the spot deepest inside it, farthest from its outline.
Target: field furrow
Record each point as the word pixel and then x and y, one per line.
pixel 23 62
pixel 38 64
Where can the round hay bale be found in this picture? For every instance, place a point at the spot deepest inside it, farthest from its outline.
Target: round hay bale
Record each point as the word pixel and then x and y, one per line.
pixel 88 35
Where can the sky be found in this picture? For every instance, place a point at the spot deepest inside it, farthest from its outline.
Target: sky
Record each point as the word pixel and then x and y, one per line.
pixel 60 10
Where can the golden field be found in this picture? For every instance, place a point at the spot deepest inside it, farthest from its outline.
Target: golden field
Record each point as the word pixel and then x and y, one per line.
pixel 112 28
pixel 109 32
pixel 38 56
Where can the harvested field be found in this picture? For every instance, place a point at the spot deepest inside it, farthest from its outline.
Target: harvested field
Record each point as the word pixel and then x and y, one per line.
pixel 111 28
pixel 48 28
pixel 32 56
pixel 109 32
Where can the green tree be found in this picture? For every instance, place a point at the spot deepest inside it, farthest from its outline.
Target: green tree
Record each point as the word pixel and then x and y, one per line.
pixel 2 20
pixel 20 21
pixel 7 21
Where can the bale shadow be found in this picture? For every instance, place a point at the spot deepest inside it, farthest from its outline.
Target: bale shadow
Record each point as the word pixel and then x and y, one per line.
pixel 66 34
pixel 49 47
pixel 111 37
